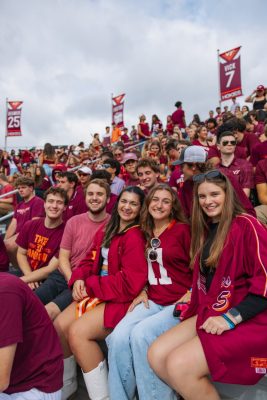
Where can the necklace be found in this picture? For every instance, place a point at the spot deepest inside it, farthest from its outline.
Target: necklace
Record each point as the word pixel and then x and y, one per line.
pixel 158 232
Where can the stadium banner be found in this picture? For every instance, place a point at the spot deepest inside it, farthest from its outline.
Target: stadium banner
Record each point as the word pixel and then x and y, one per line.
pixel 117 110
pixel 13 118
pixel 230 74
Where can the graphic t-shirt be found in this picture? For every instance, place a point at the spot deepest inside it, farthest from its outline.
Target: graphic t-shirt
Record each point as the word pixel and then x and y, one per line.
pixel 42 243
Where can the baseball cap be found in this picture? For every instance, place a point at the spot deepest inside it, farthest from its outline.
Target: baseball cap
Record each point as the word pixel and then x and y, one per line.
pixel 85 170
pixel 260 87
pixel 192 154
pixel 129 156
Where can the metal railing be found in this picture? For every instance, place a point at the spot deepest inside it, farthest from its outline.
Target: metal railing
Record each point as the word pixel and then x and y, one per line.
pixel 9 215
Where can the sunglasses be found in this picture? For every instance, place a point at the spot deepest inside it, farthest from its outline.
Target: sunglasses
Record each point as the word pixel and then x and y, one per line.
pixel 231 142
pixel 82 174
pixel 208 175
pixel 118 154
pixel 105 166
pixel 152 253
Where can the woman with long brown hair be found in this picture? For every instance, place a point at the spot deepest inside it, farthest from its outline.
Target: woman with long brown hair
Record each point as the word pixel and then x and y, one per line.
pixel 223 329
pixel 151 313
pixel 104 286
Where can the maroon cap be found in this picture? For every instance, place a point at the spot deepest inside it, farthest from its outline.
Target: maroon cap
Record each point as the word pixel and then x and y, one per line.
pixel 260 87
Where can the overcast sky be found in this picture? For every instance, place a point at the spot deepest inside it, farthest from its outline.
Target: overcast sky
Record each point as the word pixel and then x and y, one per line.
pixel 64 58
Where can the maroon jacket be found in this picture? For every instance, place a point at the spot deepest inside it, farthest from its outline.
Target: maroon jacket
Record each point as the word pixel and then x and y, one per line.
pixel 127 273
pixel 237 356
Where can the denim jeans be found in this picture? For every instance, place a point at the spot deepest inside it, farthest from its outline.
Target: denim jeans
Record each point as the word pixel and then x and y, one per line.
pixel 127 353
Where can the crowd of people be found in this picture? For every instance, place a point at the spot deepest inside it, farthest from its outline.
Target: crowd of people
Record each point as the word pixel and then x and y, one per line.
pixel 152 241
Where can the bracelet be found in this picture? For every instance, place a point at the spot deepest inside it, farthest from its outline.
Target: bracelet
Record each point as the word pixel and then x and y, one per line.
pixel 229 321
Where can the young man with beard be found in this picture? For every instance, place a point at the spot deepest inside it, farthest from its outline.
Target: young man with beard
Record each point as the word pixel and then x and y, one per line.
pixel 78 237
pixel 148 173
pixel 80 229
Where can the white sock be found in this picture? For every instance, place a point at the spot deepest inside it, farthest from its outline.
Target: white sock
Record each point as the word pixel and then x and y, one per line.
pixel 96 382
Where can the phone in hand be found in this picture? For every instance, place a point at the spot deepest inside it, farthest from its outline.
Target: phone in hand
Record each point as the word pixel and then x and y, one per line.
pixel 179 308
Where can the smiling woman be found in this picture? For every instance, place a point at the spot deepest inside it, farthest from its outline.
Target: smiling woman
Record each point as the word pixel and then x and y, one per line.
pixel 151 313
pixel 222 328
pixel 104 284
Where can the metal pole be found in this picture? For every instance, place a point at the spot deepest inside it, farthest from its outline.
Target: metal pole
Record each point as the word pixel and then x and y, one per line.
pixel 218 60
pixel 6 124
pixel 111 108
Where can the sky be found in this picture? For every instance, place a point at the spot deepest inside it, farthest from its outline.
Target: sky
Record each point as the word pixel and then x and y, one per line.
pixel 64 59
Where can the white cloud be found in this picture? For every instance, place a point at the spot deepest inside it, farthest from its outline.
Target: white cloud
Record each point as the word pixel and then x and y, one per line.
pixel 65 58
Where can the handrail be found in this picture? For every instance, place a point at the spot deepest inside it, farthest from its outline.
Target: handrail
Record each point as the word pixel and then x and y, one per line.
pixel 8 193
pixel 7 216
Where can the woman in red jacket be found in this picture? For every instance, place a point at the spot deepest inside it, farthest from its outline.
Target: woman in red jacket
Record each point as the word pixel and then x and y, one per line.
pixel 224 329
pixel 112 275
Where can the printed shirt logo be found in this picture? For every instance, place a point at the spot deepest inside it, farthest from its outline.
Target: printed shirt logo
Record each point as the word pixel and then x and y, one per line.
pixel 37 253
pixel 260 365
pixel 201 283
pixel 222 303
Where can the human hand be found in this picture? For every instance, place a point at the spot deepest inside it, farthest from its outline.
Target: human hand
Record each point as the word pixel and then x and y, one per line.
pixel 215 325
pixel 186 298
pixel 78 291
pixel 141 298
pixel 33 285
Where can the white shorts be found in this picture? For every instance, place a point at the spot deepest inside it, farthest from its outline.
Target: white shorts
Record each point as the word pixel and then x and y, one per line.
pixel 33 394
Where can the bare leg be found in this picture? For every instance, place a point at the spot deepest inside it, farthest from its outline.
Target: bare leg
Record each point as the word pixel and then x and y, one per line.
pixel 52 310
pixel 167 343
pixel 62 324
pixel 83 336
pixel 187 372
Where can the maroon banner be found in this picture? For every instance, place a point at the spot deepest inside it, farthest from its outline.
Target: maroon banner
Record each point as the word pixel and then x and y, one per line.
pixel 117 110
pixel 13 118
pixel 230 74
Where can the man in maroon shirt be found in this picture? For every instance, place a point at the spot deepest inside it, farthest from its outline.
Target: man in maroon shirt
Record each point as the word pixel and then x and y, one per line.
pixel 178 117
pixel 148 173
pixel 193 162
pixel 241 169
pixel 30 208
pixel 76 205
pixel 244 139
pixel 31 364
pixel 38 241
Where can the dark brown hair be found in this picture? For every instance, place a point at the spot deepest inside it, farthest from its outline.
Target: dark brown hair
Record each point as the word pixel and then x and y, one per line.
pixel 200 226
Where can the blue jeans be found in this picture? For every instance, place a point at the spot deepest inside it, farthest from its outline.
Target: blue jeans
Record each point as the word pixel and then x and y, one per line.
pixel 127 353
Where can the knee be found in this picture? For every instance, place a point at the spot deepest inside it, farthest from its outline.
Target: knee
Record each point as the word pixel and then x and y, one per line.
pixel 10 246
pixel 52 310
pixel 139 337
pixel 60 325
pixel 177 368
pixel 156 356
pixel 74 336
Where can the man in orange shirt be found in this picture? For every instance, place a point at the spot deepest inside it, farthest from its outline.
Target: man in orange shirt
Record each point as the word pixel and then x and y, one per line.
pixel 116 133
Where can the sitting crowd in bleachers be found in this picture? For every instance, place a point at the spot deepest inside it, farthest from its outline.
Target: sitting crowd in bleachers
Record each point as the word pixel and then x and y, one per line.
pixel 153 240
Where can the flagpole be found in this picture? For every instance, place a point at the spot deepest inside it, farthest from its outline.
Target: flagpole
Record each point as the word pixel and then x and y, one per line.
pixel 6 124
pixel 219 86
pixel 111 108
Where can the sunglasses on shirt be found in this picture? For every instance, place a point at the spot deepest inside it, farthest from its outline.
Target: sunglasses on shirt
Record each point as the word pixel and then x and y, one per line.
pixel 231 142
pixel 208 175
pixel 152 253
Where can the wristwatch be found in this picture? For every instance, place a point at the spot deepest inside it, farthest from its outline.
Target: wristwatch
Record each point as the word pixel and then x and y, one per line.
pixel 235 314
